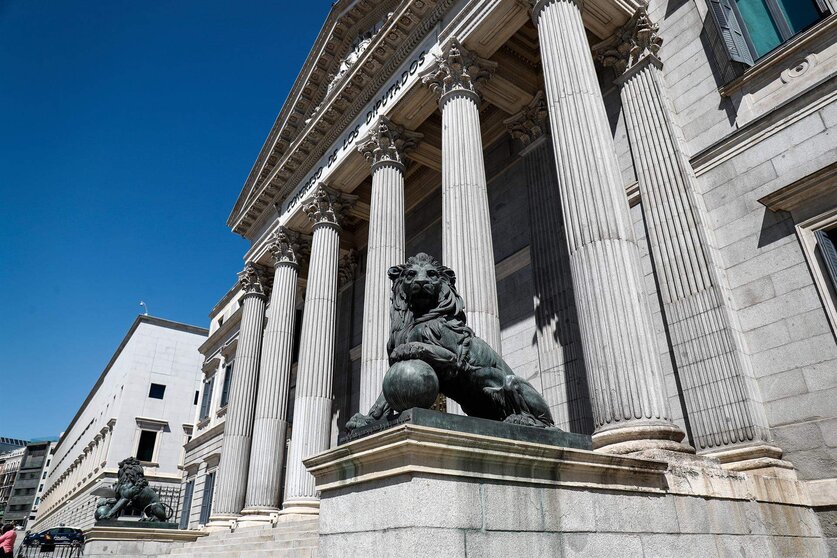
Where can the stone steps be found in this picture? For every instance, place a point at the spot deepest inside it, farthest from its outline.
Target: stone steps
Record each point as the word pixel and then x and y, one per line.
pixel 296 539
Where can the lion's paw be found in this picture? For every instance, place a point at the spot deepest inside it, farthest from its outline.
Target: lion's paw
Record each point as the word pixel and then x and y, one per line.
pixel 359 420
pixel 523 419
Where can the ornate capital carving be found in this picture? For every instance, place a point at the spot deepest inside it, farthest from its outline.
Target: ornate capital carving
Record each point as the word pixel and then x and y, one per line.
pixel 347 268
pixel 457 69
pixel 253 279
pixel 327 207
pixel 633 42
pixel 530 123
pixel 388 142
pixel 288 247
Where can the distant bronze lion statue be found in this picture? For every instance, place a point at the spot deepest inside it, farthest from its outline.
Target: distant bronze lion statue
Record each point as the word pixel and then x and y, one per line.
pixel 432 350
pixel 132 490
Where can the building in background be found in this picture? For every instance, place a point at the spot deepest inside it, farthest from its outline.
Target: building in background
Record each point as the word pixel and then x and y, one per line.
pixel 29 483
pixel 9 444
pixel 142 405
pixel 9 465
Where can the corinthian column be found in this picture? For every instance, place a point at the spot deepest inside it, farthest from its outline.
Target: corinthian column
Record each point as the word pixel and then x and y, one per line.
pixel 562 378
pixel 467 247
pixel 235 453
pixel 384 148
pixel 271 416
pixel 312 406
pixel 630 409
pixel 713 369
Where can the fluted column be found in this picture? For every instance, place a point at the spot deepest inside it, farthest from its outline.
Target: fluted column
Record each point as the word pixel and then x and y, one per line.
pixel 630 409
pixel 270 424
pixel 231 483
pixel 313 402
pixel 714 371
pixel 562 379
pixel 384 148
pixel 467 247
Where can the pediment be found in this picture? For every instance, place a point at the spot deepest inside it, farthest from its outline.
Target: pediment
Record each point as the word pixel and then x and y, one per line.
pixel 348 31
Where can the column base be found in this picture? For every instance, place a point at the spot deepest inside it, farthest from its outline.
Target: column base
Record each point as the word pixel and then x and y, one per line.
pixel 303 508
pixel 221 522
pixel 258 517
pixel 756 459
pixel 635 436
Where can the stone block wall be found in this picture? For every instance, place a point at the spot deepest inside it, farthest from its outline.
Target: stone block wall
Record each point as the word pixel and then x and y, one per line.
pixel 469 519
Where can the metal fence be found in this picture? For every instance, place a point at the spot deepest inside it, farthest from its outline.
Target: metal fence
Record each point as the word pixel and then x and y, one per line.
pixel 50 551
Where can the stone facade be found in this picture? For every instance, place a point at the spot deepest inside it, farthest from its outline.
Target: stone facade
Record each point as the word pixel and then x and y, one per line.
pixel 633 205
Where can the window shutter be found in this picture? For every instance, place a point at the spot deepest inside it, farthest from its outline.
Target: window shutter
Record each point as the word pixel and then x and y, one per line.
pixel 187 505
pixel 823 6
pixel 829 255
pixel 730 28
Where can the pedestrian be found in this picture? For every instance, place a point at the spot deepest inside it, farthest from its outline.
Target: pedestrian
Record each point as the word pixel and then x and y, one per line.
pixel 7 540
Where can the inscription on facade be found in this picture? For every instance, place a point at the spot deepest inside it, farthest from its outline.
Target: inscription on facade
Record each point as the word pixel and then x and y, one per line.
pixel 399 83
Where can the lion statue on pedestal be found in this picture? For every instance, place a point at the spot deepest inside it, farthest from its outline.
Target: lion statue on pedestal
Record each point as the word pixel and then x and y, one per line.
pixel 432 351
pixel 132 491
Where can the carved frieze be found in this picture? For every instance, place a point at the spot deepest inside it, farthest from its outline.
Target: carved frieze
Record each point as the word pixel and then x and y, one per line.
pixel 388 142
pixel 457 69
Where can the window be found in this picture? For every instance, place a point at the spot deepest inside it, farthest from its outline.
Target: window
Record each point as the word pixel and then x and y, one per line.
pixel 206 402
pixel 225 391
pixel 206 500
pixel 187 505
pixel 147 443
pixel 752 28
pixel 827 248
pixel 157 391
pixel 197 396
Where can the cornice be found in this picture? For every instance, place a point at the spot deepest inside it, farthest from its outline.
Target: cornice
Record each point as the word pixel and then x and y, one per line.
pixel 411 22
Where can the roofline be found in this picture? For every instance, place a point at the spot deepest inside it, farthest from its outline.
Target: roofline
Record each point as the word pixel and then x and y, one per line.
pixel 287 107
pixel 140 319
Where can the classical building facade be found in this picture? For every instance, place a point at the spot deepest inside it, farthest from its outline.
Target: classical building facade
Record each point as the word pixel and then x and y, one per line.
pixel 639 202
pixel 10 461
pixel 142 405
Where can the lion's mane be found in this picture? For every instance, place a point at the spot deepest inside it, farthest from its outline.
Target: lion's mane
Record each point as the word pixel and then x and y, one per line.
pixel 448 312
pixel 130 471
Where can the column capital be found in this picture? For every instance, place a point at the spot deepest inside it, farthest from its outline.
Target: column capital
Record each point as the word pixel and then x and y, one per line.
pixel 347 268
pixel 253 279
pixel 537 6
pixel 388 143
pixel 327 207
pixel 531 123
pixel 632 43
pixel 457 70
pixel 288 247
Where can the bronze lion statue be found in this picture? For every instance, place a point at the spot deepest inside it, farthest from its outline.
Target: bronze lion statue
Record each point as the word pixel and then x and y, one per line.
pixel 132 491
pixel 432 350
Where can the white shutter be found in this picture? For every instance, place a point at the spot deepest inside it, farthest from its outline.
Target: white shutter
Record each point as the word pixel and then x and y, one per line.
pixel 730 28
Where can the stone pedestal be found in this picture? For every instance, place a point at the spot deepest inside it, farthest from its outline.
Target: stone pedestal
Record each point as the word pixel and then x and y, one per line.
pixel 134 541
pixel 417 491
pixel 467 247
pixel 271 416
pixel 630 408
pixel 235 455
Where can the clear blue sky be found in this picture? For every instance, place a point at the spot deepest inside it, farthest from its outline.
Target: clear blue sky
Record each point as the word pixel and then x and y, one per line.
pixel 126 132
